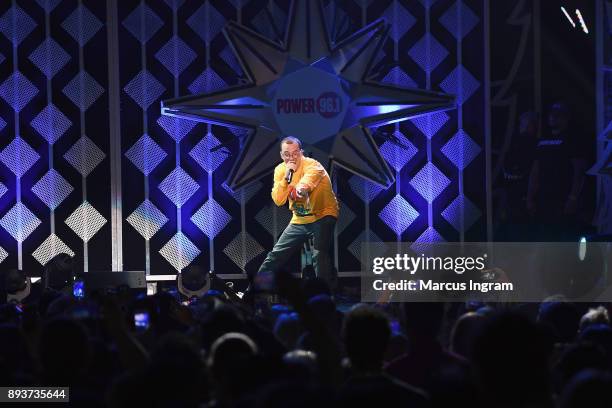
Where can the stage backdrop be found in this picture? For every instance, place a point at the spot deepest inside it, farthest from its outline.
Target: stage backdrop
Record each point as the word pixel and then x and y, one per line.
pixel 89 167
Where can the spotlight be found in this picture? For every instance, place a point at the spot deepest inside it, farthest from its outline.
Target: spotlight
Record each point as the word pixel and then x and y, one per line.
pixel 582 248
pixel 193 282
pixel 568 16
pixel 582 23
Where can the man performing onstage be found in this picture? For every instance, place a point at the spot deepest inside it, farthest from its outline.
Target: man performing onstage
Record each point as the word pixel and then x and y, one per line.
pixel 305 183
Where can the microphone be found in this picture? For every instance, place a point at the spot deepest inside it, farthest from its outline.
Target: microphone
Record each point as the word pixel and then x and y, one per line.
pixel 289 176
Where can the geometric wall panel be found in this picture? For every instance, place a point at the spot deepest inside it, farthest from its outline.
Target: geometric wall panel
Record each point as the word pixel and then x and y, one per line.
pixel 147 219
pixel 211 218
pixel 52 189
pixel 146 154
pixel 178 186
pixel 461 149
pixel 83 90
pixel 20 222
pixel 398 214
pixel 51 123
pixel 85 221
pixel 49 57
pixel 82 25
pixel 461 206
pixel 208 154
pixel 19 157
pixel 18 91
pixel 429 182
pixel 16 25
pixel 51 247
pixel 84 155
pixel 179 251
pixel 243 249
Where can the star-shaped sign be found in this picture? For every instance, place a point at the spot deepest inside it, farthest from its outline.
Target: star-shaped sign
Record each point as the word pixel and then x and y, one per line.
pixel 306 87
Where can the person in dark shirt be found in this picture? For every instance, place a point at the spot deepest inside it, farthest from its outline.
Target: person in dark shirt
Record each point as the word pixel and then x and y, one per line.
pixel 514 220
pixel 517 164
pixel 557 175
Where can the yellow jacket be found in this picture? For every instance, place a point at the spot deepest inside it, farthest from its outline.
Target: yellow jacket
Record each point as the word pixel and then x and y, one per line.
pixel 321 200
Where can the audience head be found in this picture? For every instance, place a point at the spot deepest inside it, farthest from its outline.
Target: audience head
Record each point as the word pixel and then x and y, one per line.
pixel 598 315
pixel 590 388
pixel 366 334
pixel 423 319
pixel 510 356
pixel 560 317
pixel 464 332
pixel 58 274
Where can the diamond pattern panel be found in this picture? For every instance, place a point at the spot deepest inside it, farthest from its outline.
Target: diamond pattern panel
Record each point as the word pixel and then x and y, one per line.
pixel 48 5
pixel 211 218
pixel 230 59
pixel 85 221
pixel 430 124
pixel 428 53
pixel 176 128
pixel 84 155
pixel 430 235
pixel 146 154
pixel 345 217
pixel 460 83
pixel 49 57
pixel 398 214
pixel 461 207
pixel 51 123
pixel 20 222
pixel 2 123
pixel 178 186
pixel 206 22
pixel 249 191
pixel 208 154
pixel 3 189
pixel 52 189
pixel 51 247
pixel 3 254
pixel 16 25
pixel 82 25
pixel 83 90
pixel 18 91
pixel 429 182
pixel 459 20
pixel 398 152
pixel 265 217
pixel 179 251
pixel 19 157
pixel 262 22
pixel 143 23
pixel 400 19
pixel 366 190
pixel 398 76
pixel 461 149
pixel 365 237
pixel 144 89
pixel 208 81
pixel 147 219
pixel 174 4
pixel 175 56
pixel 243 249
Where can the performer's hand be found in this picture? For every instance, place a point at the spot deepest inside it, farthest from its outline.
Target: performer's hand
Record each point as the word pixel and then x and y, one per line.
pixel 290 166
pixel 293 193
pixel 302 189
